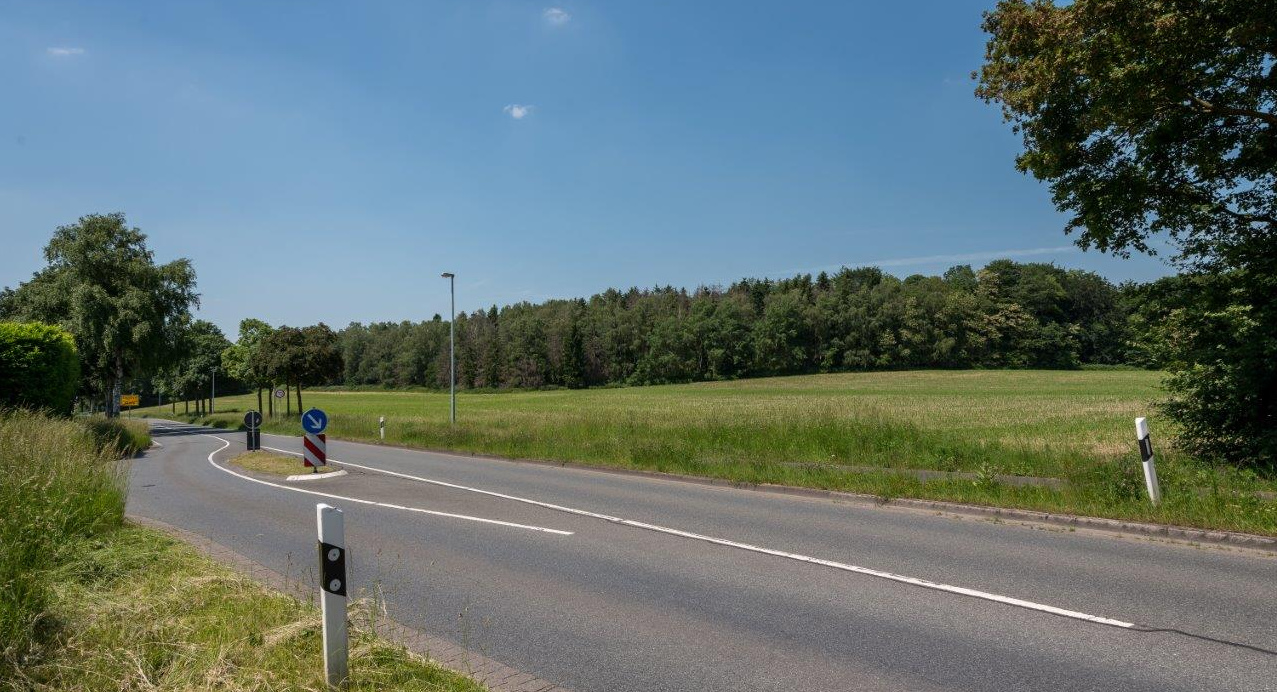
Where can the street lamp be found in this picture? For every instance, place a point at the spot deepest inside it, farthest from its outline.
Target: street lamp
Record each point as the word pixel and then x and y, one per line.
pixel 452 343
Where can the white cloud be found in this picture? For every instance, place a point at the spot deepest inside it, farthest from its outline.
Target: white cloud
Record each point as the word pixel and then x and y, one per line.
pixel 518 111
pixel 64 51
pixel 557 16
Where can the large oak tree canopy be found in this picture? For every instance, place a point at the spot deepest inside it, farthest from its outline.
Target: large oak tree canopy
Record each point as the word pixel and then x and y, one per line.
pixel 1157 118
pixel 1146 117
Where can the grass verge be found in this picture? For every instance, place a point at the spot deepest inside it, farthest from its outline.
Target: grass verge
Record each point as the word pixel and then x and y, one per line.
pixel 88 604
pixel 274 464
pixel 823 431
pixel 140 610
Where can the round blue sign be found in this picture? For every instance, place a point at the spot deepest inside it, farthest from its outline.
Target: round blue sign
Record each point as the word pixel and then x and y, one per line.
pixel 314 421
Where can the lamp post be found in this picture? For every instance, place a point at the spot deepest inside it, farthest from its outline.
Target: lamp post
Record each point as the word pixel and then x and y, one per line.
pixel 452 344
pixel 212 399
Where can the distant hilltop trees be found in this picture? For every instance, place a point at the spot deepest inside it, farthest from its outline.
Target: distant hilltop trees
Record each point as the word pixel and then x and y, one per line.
pixel 1006 315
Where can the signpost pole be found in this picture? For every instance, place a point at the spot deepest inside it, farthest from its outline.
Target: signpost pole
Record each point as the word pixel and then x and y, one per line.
pixel 253 422
pixel 452 346
pixel 332 591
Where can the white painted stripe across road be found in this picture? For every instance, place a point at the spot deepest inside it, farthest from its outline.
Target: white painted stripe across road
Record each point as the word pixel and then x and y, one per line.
pixel 226 443
pixel 914 581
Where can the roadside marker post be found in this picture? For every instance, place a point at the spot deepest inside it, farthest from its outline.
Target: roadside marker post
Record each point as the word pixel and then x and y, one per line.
pixel 381 425
pixel 332 591
pixel 1146 456
pixel 315 444
pixel 253 423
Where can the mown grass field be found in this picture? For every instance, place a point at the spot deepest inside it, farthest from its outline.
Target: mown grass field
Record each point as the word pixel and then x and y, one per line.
pixel 834 431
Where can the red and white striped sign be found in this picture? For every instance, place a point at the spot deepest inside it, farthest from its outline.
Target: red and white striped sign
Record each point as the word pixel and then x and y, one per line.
pixel 315 449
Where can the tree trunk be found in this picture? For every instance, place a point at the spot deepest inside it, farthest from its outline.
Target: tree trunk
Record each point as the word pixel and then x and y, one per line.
pixel 288 400
pixel 259 399
pixel 299 399
pixel 117 385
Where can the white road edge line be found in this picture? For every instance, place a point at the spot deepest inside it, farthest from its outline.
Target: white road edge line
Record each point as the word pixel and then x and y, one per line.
pixel 226 443
pixel 914 581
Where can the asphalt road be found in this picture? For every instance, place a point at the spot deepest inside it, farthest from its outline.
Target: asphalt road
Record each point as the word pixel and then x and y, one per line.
pixel 650 584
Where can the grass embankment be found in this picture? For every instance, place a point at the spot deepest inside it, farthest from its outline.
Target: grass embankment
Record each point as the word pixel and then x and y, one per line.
pixel 822 431
pixel 274 464
pixel 88 603
pixel 142 611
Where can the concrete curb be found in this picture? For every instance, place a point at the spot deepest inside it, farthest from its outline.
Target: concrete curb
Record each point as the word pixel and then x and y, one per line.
pixel 317 476
pixel 494 675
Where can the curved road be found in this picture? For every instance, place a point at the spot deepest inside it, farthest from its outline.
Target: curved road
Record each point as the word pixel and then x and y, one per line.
pixel 601 581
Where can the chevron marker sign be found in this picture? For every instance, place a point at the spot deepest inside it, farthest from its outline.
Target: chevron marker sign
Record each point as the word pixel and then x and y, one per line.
pixel 315 450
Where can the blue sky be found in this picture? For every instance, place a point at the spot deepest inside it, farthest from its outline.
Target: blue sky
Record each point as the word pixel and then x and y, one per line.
pixel 324 161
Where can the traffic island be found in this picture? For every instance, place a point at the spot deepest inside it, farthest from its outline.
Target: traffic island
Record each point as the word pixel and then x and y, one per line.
pixel 290 468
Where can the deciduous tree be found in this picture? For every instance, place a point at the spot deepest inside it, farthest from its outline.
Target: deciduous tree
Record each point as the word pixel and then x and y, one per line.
pixel 1154 121
pixel 102 284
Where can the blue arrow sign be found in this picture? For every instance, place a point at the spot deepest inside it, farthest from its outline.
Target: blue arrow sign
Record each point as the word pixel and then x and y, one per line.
pixel 314 421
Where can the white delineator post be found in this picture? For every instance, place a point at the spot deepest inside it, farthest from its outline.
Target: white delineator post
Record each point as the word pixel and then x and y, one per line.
pixel 382 425
pixel 1146 456
pixel 332 590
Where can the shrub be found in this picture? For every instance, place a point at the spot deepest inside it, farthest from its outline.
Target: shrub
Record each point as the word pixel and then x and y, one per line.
pixel 39 367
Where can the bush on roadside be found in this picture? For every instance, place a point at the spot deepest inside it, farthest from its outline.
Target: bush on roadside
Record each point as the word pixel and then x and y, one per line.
pixel 39 367
pixel 59 482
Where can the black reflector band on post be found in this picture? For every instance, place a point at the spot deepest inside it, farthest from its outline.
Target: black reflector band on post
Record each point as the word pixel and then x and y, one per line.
pixel 332 567
pixel 1146 448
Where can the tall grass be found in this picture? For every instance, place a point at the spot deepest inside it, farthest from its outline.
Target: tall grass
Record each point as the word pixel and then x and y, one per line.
pixel 145 612
pixel 59 481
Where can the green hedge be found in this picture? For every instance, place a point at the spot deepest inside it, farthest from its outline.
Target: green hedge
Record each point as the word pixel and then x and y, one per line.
pixel 39 367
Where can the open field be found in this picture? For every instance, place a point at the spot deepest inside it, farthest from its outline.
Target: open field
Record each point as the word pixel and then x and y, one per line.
pixel 824 430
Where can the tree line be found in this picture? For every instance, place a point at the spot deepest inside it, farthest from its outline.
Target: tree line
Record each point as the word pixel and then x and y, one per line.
pixel 1005 315
pixel 103 317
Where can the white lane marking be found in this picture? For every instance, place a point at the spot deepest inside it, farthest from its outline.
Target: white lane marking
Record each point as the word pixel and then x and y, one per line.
pixel 937 586
pixel 226 443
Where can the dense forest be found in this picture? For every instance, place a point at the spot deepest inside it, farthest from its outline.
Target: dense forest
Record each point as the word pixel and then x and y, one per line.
pixel 1006 315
